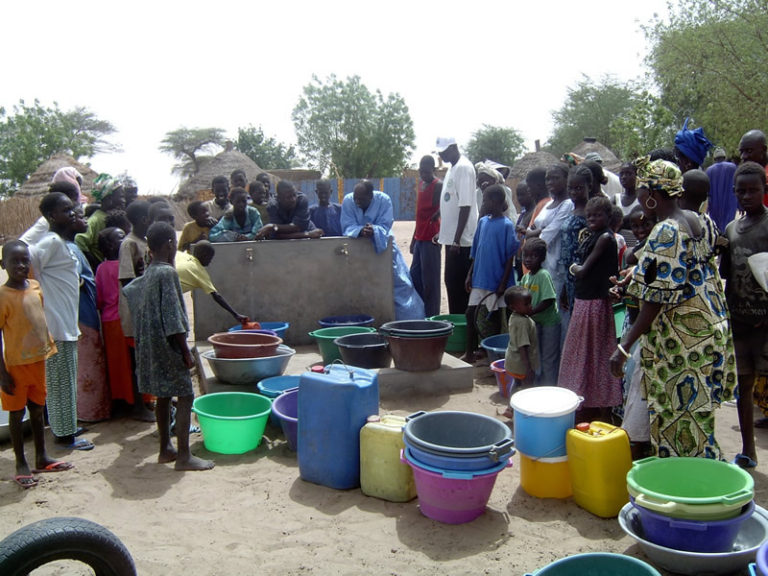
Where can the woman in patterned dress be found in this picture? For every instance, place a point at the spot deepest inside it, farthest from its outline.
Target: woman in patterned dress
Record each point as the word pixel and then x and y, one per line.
pixel 685 337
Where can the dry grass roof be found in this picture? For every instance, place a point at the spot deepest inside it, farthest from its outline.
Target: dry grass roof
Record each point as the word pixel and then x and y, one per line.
pixel 39 181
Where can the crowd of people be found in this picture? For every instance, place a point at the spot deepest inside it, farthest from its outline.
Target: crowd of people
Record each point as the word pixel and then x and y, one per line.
pixel 93 319
pixel 675 245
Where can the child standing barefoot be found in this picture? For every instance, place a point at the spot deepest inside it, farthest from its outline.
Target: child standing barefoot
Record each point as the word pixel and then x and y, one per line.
pixel 747 301
pixel 22 368
pixel 544 310
pixel 591 337
pixel 163 359
pixel 522 357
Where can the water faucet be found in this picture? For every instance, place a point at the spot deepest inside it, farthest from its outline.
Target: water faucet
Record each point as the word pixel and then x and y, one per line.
pixel 343 250
pixel 249 254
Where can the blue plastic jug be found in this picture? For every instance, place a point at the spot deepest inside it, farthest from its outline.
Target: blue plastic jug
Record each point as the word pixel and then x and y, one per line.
pixel 333 407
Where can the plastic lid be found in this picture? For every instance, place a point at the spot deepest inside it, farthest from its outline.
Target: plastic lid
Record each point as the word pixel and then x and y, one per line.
pixel 374 418
pixel 582 426
pixel 546 401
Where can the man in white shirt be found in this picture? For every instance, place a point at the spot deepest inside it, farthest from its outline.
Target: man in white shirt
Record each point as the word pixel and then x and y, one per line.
pixel 458 220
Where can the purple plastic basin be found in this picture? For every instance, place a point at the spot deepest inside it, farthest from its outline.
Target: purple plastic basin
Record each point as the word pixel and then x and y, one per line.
pixel 286 408
pixel 762 558
pixel 451 496
pixel 708 536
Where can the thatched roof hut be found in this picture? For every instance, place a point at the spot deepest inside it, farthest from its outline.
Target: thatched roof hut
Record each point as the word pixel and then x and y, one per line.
pixel 610 160
pixel 40 179
pixel 296 175
pixel 531 160
pixel 223 164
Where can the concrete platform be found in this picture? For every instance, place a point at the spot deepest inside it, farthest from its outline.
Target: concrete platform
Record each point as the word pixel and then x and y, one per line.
pixel 453 376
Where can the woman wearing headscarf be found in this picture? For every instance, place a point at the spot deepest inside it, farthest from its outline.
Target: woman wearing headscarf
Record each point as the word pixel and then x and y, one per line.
pixel 691 147
pixel 108 191
pixel 487 175
pixel 686 348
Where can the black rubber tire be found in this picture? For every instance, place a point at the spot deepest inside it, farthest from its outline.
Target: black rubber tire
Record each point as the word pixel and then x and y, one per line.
pixel 65 538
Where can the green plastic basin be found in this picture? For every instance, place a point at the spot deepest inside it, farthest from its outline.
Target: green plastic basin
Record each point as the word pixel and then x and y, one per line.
pixel 232 422
pixel 693 488
pixel 457 342
pixel 326 336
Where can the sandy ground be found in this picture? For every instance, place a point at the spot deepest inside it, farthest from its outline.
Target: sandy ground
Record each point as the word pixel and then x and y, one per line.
pixel 253 514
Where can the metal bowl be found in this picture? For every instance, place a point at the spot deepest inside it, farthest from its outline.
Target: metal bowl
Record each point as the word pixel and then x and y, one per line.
pixel 242 371
pixel 752 534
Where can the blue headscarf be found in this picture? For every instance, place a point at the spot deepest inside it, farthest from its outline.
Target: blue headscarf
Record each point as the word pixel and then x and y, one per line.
pixel 693 143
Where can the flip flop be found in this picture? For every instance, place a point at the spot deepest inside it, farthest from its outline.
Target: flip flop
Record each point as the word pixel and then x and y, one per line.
pixel 744 461
pixel 25 480
pixel 761 423
pixel 79 444
pixel 80 430
pixel 59 466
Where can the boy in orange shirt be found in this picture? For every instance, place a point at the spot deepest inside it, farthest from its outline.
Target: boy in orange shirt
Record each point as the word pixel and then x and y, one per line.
pixel 22 364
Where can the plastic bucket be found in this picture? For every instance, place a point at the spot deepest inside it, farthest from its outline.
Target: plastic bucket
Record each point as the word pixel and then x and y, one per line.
pixel 232 422
pixel 496 346
pixel 451 496
pixel 690 481
pixel 597 564
pixel 417 328
pixel 280 328
pixel 417 354
pixel 286 408
pixel 545 477
pixel 504 451
pixel 244 344
pixel 543 416
pixel 273 387
pixel 457 342
pixel 692 535
pixel 458 435
pixel 504 380
pixel 364 350
pixel 348 320
pixel 325 337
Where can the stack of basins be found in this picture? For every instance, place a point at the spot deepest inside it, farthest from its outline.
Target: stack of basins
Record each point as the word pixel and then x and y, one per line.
pixel 417 345
pixel 543 416
pixel 335 327
pixel 233 422
pixel 455 457
pixel 691 504
pixel 241 358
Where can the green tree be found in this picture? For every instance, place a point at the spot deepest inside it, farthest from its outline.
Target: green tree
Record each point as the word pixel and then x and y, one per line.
pixel 645 126
pixel 31 134
pixel 708 59
pixel 343 127
pixel 267 152
pixel 589 110
pixel 503 145
pixel 190 145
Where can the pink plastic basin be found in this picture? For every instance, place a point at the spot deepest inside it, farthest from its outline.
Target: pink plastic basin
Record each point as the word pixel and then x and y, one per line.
pixel 244 344
pixel 504 379
pixel 453 496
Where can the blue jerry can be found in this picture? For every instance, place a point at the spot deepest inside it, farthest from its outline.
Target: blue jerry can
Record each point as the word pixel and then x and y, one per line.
pixel 333 407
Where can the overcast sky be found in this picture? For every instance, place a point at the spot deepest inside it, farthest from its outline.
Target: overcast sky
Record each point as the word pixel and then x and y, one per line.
pixel 151 67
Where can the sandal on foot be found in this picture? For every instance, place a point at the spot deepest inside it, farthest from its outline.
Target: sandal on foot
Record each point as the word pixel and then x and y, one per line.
pixel 59 466
pixel 744 461
pixel 25 480
pixel 79 444
pixel 761 423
